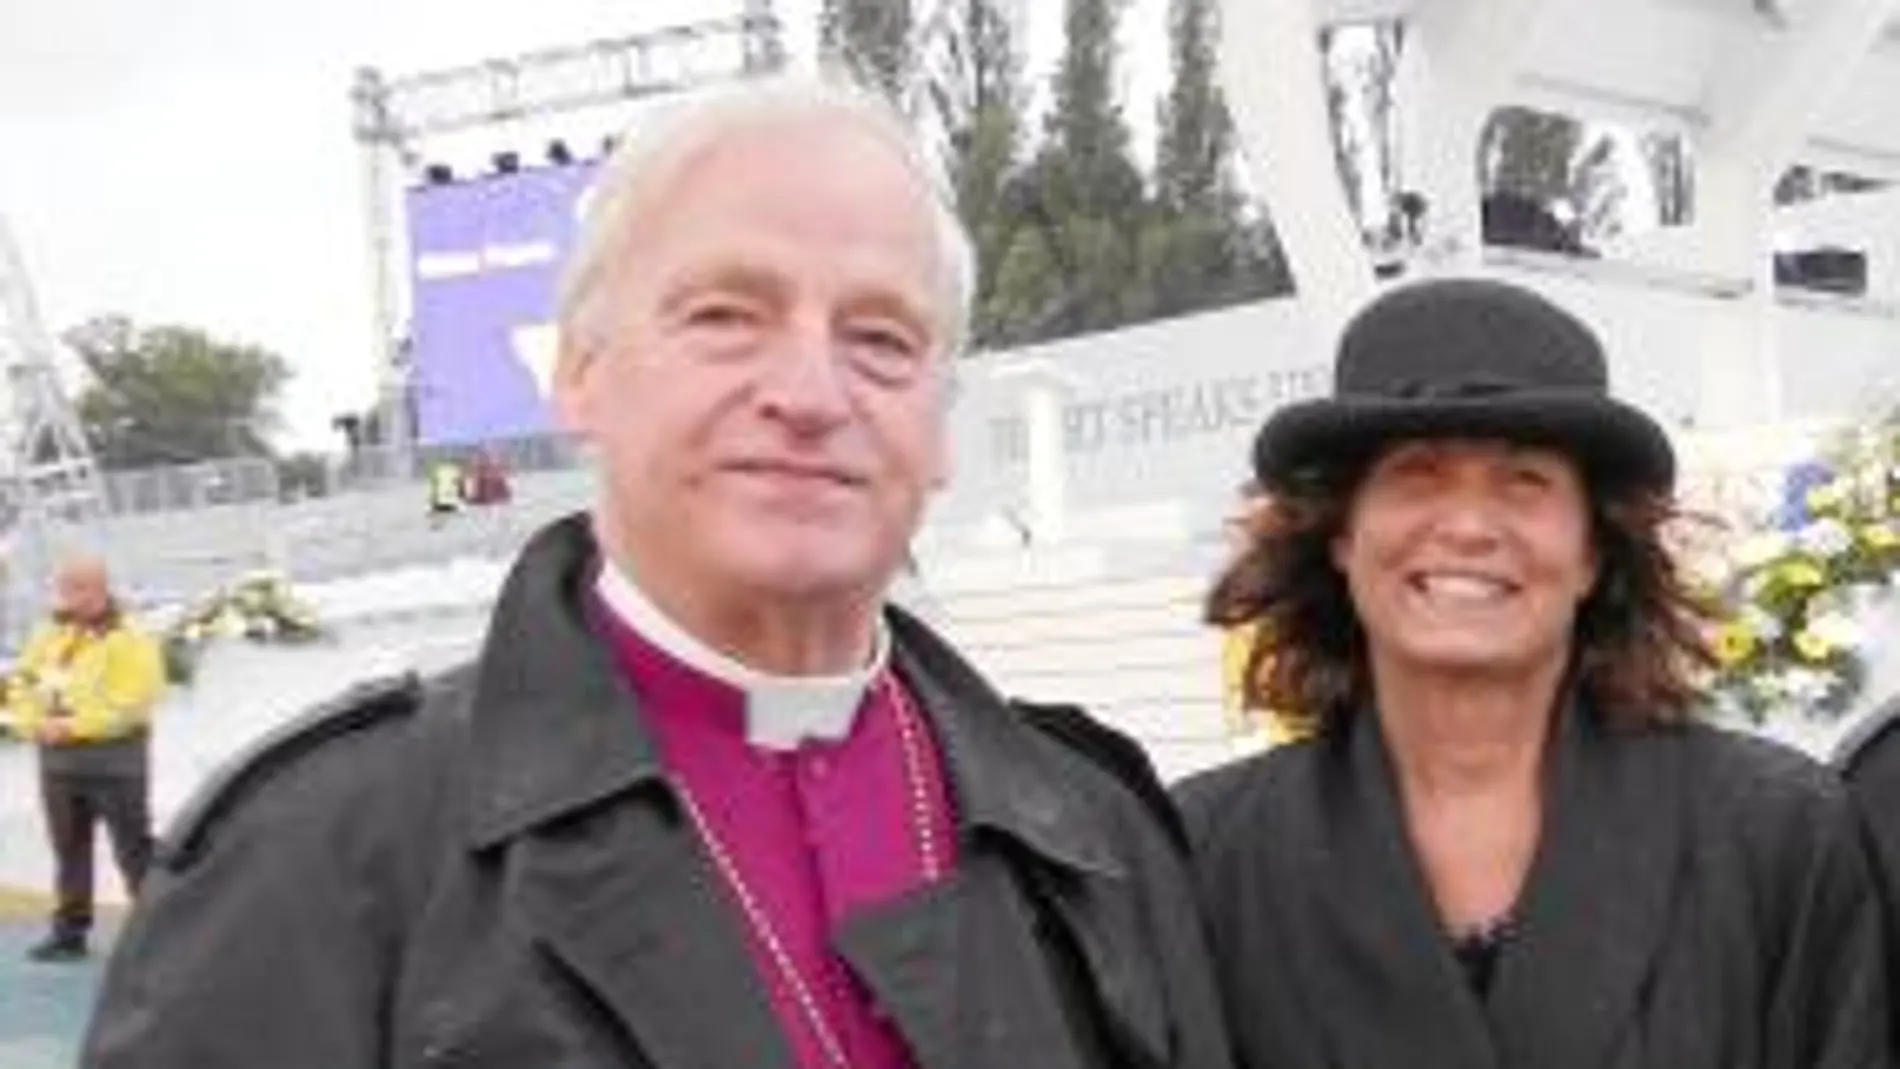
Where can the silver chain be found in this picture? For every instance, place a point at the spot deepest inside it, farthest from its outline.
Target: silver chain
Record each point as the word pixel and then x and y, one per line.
pixel 909 730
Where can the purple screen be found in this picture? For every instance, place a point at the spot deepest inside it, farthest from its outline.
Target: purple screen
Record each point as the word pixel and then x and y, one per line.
pixel 486 255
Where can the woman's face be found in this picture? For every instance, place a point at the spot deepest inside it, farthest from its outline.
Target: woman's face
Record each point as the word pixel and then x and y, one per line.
pixel 1468 557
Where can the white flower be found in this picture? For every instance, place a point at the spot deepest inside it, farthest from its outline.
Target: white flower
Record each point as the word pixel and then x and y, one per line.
pixel 1759 549
pixel 1826 538
pixel 1805 686
pixel 1838 629
pixel 1762 623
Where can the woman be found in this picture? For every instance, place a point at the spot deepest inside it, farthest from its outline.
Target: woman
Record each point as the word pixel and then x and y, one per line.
pixel 1508 843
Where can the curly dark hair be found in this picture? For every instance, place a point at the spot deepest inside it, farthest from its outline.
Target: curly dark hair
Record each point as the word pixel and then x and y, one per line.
pixel 1639 643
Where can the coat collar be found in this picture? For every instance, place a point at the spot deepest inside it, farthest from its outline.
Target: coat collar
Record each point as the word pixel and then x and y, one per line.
pixel 1005 777
pixel 1596 904
pixel 554 729
pixel 1592 913
pixel 623 893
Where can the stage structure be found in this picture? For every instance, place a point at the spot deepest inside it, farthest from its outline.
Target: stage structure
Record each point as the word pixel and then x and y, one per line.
pixel 49 479
pixel 1753 87
pixel 396 120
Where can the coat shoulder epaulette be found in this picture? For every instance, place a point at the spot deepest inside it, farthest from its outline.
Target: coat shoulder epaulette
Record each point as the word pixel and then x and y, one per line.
pixel 1112 752
pixel 360 708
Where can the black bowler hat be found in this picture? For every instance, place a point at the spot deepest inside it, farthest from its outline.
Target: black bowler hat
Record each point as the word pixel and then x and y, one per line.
pixel 1465 358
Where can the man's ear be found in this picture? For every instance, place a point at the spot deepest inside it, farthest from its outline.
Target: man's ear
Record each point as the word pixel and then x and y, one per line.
pixel 944 464
pixel 574 365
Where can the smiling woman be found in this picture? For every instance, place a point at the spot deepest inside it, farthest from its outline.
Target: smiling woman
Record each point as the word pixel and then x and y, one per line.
pixel 1641 620
pixel 1508 839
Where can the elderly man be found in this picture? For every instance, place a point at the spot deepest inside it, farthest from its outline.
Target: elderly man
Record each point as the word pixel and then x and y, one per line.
pixel 703 799
pixel 84 688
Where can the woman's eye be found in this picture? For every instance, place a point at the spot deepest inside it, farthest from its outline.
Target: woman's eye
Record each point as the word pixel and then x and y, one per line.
pixel 1532 477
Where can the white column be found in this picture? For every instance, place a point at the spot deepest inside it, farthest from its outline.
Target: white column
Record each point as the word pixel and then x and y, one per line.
pixel 1461 59
pixel 1270 68
pixel 1045 388
pixel 1762 102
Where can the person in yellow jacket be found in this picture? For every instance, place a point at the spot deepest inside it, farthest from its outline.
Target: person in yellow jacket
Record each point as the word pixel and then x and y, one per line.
pixel 1246 718
pixel 83 689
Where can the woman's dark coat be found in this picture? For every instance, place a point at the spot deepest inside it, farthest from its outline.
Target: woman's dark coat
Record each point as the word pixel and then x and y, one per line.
pixel 1699 900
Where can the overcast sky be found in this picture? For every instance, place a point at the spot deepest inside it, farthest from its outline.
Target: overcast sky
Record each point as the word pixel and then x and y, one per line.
pixel 190 161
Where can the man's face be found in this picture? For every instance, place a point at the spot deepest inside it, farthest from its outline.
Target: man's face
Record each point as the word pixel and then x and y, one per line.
pixel 1468 557
pixel 80 592
pixel 765 390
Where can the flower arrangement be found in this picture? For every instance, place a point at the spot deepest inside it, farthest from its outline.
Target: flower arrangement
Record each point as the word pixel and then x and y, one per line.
pixel 1800 595
pixel 260 607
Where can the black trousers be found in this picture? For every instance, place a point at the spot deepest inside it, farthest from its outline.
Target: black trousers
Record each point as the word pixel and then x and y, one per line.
pixel 76 804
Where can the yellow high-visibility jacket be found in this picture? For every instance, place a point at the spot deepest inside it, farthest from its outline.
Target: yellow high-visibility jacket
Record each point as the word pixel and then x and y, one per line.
pixel 1243 716
pixel 103 682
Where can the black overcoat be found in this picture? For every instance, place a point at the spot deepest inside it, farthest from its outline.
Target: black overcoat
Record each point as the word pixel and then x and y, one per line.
pixel 1699 900
pixel 491 871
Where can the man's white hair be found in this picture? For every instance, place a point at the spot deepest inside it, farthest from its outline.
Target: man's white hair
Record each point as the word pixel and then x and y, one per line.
pixel 646 166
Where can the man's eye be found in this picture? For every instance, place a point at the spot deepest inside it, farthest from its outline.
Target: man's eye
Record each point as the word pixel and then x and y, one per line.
pixel 884 341
pixel 885 355
pixel 721 314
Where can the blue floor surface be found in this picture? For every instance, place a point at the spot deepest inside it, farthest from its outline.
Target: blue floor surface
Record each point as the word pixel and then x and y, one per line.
pixel 43 1008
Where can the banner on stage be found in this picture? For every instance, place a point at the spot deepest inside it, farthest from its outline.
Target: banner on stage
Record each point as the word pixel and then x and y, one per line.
pixel 485 259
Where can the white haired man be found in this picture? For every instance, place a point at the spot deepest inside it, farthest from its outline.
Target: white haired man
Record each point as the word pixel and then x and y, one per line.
pixel 703 799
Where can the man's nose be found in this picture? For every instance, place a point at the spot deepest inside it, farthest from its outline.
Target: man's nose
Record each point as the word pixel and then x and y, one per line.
pixel 804 382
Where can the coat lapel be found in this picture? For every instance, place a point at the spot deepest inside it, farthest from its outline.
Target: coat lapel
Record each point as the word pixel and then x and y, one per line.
pixel 1376 969
pixel 1597 903
pixel 958 966
pixel 971 970
pixel 625 899
pixel 602 868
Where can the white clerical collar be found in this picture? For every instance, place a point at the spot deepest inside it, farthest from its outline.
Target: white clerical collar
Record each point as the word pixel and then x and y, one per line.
pixel 781 711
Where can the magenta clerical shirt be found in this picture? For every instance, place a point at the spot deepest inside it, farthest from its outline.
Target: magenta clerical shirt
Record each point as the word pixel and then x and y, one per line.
pixel 816 833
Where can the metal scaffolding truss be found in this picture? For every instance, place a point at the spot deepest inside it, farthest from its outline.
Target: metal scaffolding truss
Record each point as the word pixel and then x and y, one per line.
pixel 401 112
pixel 395 118
pixel 49 468
pixel 49 479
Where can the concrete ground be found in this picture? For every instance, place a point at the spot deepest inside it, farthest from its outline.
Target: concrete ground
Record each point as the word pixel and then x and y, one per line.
pixel 43 1008
pixel 243 691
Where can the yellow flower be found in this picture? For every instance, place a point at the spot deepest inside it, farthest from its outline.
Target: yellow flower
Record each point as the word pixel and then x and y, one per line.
pixel 1811 646
pixel 1827 495
pixel 1802 574
pixel 1879 536
pixel 1733 643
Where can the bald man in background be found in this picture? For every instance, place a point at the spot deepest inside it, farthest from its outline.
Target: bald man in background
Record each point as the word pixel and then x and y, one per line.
pixel 83 689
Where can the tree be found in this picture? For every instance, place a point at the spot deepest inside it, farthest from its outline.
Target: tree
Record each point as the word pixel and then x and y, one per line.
pixel 978 100
pixel 1075 263
pixel 1360 65
pixel 170 394
pixel 1531 154
pixel 1200 251
pixel 1666 156
pixel 1550 182
pixel 303 475
pixel 872 39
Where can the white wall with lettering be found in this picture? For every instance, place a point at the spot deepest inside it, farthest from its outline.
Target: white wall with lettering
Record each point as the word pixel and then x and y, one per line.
pixel 1166 411
pixel 1160 411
